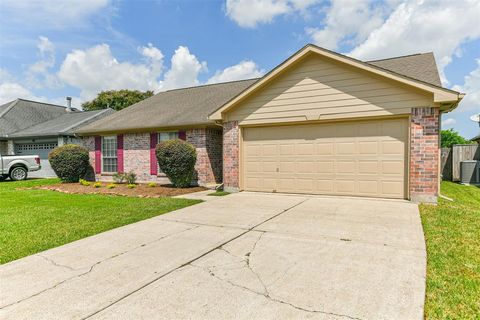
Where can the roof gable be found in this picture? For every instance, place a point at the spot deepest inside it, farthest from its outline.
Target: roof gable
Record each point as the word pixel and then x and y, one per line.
pixel 440 95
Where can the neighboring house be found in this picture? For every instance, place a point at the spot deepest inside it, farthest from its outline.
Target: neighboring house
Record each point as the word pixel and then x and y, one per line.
pixel 319 123
pixel 476 139
pixel 30 127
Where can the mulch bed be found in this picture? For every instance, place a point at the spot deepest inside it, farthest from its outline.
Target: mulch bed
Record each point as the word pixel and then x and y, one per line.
pixel 141 190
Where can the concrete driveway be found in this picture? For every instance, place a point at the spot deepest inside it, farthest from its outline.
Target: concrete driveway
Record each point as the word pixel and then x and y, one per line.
pixel 243 256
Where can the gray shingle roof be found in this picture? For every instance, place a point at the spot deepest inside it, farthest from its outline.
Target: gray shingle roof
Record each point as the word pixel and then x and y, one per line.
pixel 65 124
pixel 173 108
pixel 420 66
pixel 192 106
pixel 21 114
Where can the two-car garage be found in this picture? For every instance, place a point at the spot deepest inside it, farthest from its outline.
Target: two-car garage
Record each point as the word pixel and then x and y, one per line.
pixel 359 158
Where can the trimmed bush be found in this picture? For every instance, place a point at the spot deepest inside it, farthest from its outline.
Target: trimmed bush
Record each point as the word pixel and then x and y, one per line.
pixel 177 160
pixel 70 162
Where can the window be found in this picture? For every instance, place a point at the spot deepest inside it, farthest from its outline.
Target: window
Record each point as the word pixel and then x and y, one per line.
pixel 164 136
pixel 109 154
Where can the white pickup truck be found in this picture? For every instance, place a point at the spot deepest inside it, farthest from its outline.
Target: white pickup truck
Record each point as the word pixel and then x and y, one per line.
pixel 17 167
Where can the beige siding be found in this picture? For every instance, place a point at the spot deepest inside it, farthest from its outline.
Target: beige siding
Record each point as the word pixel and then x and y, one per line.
pixel 360 158
pixel 318 89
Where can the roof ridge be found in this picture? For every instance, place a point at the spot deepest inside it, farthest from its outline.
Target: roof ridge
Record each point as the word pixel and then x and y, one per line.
pixel 10 107
pixel 47 103
pixel 210 84
pixel 399 57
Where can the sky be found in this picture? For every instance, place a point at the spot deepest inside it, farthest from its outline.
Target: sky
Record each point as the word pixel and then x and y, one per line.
pixel 51 49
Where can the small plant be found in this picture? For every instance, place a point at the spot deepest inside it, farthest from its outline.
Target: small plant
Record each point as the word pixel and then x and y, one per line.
pixel 97 184
pixel 152 184
pixel 119 177
pixel 111 186
pixel 131 186
pixel 177 159
pixel 84 182
pixel 70 162
pixel 131 177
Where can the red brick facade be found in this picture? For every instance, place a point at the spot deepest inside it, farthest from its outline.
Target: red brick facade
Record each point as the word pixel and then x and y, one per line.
pixel 208 143
pixel 136 154
pixel 231 155
pixel 424 154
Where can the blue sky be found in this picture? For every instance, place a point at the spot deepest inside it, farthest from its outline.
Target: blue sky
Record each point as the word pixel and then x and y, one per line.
pixel 53 48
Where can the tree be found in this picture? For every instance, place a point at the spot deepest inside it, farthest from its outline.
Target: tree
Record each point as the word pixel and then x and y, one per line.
pixel 116 99
pixel 450 137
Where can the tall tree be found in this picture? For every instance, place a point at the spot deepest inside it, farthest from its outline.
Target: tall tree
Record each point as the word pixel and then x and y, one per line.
pixel 450 137
pixel 116 99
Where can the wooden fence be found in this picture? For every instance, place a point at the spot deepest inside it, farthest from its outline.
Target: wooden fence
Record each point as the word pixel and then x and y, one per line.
pixel 451 158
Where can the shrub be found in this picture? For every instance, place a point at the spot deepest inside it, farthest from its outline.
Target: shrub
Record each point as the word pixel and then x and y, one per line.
pixel 131 177
pixel 131 186
pixel 111 186
pixel 70 162
pixel 97 184
pixel 177 160
pixel 119 177
pixel 84 182
pixel 152 184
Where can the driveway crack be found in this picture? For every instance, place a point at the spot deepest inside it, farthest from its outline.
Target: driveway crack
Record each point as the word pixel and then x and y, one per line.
pixel 90 268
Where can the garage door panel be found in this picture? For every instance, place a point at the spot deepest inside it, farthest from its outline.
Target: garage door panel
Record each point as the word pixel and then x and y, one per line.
pixel 365 158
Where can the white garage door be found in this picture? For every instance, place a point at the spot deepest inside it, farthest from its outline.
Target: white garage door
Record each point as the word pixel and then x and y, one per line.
pixel 42 150
pixel 361 158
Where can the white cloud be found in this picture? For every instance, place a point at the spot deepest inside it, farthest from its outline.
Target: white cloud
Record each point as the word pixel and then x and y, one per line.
pixel 449 122
pixel 421 26
pixel 471 87
pixel 250 13
pixel 38 74
pixel 349 21
pixel 246 69
pixel 184 70
pixel 50 13
pixel 96 69
pixel 10 91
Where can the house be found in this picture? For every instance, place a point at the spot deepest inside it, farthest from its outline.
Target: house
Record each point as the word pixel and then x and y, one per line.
pixel 319 123
pixel 36 128
pixel 476 139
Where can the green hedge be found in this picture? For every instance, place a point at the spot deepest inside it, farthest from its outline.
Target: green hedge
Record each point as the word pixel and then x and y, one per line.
pixel 70 162
pixel 177 160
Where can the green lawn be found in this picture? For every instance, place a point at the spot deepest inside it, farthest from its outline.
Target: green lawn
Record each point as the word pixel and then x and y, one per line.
pixel 35 220
pixel 452 232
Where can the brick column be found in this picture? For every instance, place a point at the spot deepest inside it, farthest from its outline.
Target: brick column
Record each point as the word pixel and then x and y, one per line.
pixel 231 156
pixel 424 154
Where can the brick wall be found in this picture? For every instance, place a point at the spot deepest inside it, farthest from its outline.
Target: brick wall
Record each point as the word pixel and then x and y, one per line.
pixel 208 143
pixel 136 153
pixel 231 156
pixel 424 154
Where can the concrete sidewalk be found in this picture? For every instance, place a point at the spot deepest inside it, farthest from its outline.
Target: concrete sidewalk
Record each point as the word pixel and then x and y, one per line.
pixel 243 256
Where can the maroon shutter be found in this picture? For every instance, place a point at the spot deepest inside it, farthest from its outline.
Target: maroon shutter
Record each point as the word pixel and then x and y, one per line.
pixel 98 154
pixel 182 135
pixel 120 153
pixel 153 156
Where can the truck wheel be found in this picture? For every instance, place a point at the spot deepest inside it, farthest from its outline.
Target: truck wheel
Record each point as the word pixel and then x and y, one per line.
pixel 18 173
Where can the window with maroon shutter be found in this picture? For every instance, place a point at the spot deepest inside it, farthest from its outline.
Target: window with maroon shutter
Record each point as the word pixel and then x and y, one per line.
pixel 120 168
pixel 153 156
pixel 98 154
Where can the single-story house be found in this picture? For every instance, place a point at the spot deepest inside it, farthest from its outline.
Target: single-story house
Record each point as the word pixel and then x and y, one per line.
pixel 319 123
pixel 36 128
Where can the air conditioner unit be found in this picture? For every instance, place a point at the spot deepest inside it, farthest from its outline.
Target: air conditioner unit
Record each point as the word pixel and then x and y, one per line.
pixel 470 172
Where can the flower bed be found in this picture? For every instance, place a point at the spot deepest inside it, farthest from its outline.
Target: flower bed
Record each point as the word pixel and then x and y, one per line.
pixel 139 190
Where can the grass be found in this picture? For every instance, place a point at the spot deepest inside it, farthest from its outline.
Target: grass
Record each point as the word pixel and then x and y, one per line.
pixel 35 220
pixel 452 233
pixel 219 193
